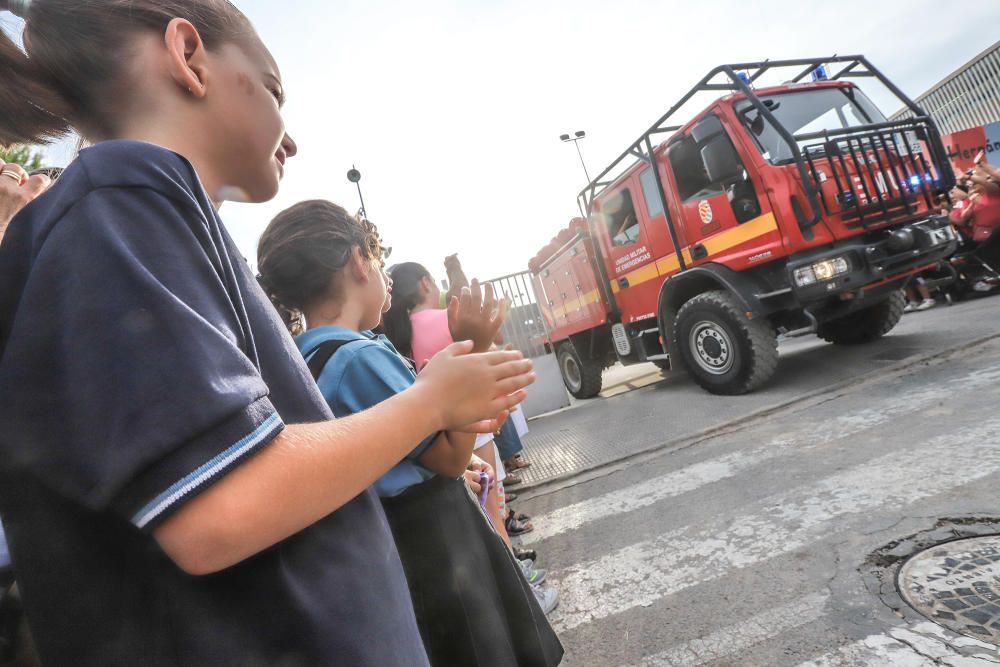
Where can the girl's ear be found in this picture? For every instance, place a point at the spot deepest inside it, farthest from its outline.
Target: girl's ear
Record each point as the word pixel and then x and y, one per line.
pixel 358 266
pixel 186 56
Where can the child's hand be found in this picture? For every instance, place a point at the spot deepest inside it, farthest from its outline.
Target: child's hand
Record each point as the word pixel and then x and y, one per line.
pixel 485 426
pixel 464 388
pixel 473 317
pixel 477 464
pixel 472 479
pixel 472 474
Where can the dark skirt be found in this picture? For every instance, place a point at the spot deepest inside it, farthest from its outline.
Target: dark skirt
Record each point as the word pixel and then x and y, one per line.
pixel 472 603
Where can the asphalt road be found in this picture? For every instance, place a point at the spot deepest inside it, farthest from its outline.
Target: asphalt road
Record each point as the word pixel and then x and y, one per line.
pixel 766 544
pixel 667 409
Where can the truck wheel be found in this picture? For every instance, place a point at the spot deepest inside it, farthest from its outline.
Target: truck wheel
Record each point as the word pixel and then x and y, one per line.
pixel 581 377
pixel 865 325
pixel 725 351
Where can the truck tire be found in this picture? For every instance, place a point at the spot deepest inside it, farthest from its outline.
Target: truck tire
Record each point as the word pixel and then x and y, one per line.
pixel 867 325
pixel 582 377
pixel 723 350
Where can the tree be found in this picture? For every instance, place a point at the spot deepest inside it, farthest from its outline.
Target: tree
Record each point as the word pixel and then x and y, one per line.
pixel 23 155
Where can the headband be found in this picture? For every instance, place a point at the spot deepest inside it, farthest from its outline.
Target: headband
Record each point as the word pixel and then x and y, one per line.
pixel 19 7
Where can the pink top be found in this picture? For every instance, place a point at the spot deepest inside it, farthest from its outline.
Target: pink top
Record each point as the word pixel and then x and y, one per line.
pixel 430 334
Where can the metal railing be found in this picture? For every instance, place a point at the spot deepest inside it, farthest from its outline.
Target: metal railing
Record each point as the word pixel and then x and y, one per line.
pixel 524 326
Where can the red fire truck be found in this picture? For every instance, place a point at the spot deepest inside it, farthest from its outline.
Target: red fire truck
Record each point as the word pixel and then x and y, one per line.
pixel 785 210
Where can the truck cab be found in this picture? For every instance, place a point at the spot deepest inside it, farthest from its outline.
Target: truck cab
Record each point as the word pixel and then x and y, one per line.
pixel 789 209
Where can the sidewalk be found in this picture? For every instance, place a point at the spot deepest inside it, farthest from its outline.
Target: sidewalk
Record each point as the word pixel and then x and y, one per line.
pixel 642 409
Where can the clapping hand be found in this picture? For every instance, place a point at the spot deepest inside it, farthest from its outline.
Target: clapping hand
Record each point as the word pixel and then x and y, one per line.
pixel 16 190
pixel 473 316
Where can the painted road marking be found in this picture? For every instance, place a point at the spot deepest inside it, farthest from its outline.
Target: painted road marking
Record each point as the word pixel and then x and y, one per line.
pixel 642 573
pixel 925 643
pixel 692 477
pixel 741 636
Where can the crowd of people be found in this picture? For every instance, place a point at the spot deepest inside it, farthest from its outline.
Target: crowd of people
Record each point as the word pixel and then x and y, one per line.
pixel 973 207
pixel 204 466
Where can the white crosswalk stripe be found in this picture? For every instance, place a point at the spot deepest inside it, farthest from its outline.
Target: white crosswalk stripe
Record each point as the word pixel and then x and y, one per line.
pixel 642 573
pixel 918 646
pixel 735 639
pixel 689 478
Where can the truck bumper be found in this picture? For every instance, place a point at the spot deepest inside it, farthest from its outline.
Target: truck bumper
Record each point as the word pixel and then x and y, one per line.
pixel 853 265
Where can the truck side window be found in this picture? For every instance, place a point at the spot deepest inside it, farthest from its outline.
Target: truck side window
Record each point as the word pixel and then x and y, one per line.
pixel 654 204
pixel 711 167
pixel 619 213
pixel 689 170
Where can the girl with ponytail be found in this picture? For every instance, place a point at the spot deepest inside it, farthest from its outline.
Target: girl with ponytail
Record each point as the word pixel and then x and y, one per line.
pixel 472 602
pixel 173 486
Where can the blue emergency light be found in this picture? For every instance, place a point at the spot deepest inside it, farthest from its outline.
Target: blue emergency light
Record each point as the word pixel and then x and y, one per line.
pixel 744 77
pixel 820 74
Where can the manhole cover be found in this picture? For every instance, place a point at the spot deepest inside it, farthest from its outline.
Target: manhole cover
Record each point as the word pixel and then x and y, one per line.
pixel 957 584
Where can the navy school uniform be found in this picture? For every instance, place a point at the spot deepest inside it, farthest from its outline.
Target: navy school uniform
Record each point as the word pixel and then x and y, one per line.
pixel 140 364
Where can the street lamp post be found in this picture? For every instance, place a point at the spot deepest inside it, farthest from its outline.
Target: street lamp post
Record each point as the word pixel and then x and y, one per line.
pixel 579 134
pixel 354 176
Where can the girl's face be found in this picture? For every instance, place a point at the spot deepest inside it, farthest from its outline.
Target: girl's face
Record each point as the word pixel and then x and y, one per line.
pixel 377 296
pixel 250 145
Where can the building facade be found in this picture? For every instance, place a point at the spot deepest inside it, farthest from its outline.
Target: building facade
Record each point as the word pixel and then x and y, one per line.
pixel 967 98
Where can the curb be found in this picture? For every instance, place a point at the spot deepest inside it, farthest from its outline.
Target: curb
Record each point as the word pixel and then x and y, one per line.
pixel 528 490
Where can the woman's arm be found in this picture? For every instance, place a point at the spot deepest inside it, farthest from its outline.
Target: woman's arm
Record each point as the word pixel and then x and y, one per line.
pixel 311 470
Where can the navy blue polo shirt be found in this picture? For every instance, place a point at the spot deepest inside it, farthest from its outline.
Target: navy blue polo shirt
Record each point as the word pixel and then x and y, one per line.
pixel 139 364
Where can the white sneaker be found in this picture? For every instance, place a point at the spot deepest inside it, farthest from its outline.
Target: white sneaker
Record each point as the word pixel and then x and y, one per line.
pixel 533 576
pixel 926 304
pixel 982 286
pixel 548 598
pixel 909 307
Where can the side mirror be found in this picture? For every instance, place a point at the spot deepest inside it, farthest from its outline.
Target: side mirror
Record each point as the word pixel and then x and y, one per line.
pixel 720 160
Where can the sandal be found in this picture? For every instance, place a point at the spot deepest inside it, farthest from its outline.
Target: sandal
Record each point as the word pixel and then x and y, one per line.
pixel 511 480
pixel 515 527
pixel 519 516
pixel 516 462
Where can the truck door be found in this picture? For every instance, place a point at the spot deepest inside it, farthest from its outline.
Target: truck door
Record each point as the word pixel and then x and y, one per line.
pixel 724 217
pixel 630 261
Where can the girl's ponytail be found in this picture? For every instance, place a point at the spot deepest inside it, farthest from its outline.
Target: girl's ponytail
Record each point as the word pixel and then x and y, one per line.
pixel 406 296
pixel 303 249
pixel 31 109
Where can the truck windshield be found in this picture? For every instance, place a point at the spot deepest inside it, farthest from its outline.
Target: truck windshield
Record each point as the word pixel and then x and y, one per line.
pixel 806 111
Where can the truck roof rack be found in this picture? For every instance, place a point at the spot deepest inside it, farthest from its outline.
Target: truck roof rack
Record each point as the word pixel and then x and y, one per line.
pixel 732 81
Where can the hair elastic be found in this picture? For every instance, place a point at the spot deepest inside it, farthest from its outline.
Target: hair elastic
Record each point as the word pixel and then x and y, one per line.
pixel 19 7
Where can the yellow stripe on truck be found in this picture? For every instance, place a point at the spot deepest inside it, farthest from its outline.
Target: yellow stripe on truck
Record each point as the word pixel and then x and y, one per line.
pixel 764 224
pixel 572 305
pixel 668 264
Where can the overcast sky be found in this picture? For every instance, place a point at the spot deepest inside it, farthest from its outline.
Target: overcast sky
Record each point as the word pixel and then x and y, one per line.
pixel 452 110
